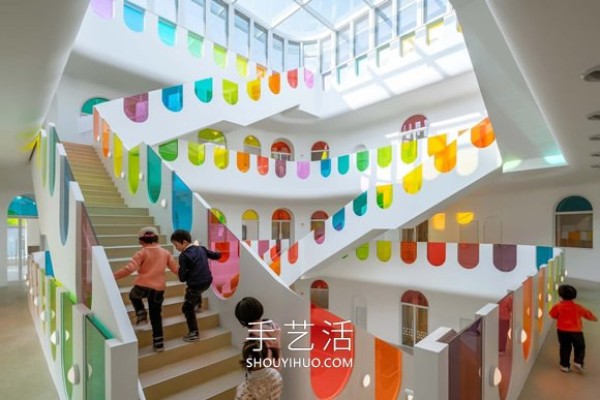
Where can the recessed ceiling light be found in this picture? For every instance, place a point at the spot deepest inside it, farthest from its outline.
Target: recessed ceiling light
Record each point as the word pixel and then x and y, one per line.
pixel 595 137
pixel 595 116
pixel 592 74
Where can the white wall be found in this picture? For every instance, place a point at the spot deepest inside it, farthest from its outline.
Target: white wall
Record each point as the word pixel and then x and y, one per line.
pixel 527 217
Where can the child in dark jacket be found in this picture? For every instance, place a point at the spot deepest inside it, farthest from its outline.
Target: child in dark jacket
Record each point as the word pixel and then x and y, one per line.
pixel 570 328
pixel 195 272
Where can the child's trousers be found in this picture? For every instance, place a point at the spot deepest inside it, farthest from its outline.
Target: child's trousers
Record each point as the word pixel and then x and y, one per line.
pixel 568 340
pixel 155 300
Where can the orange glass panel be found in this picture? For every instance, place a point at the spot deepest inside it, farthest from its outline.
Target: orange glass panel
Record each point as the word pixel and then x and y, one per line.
pixel 261 71
pixel 413 181
pixel 445 159
pixel 527 316
pixel 388 370
pixel 539 313
pixel 105 139
pixel 293 253
pixel 275 83
pixel 243 161
pixel 408 252
pixel 96 125
pixel 482 134
pixel 276 266
pixel 262 164
pixel 435 144
pixel 436 253
pixel 253 89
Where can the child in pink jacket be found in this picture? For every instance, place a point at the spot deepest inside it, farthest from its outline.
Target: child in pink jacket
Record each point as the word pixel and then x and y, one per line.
pixel 150 264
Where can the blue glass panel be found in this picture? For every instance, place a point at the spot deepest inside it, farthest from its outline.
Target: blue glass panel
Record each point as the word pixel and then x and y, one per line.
pixel 343 164
pixel 204 90
pixel 360 204
pixel 48 264
pixel 182 205
pixel 326 168
pixel 154 169
pixel 166 32
pixel 134 17
pixel 22 206
pixel 339 219
pixel 542 255
pixel 64 200
pixel 172 98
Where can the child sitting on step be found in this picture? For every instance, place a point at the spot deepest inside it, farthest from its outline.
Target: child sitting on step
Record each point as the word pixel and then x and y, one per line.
pixel 261 381
pixel 150 264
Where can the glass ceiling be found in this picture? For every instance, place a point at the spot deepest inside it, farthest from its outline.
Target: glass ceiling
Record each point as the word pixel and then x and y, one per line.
pixel 304 19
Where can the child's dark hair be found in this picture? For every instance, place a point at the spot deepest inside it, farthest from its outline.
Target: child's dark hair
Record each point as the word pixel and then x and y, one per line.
pixel 567 292
pixel 148 237
pixel 253 354
pixel 248 310
pixel 181 236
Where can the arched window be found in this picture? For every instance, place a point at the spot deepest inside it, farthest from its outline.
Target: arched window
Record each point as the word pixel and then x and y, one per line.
pixel 415 127
pixel 574 222
pixel 319 294
pixel 281 225
pixel 317 224
pixel 88 107
pixel 212 136
pixel 250 225
pixel 252 145
pixel 414 317
pixel 282 150
pixel 319 151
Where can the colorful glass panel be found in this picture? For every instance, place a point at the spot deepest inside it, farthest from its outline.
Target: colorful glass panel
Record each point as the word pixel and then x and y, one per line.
pixel 505 317
pixel 482 134
pixel 339 219
pixel 343 164
pixel 117 156
pixel 204 90
pixel 230 92
pixel 384 156
pixel 436 253
pixel 303 169
pixel 196 153
pixel 408 252
pixel 468 255
pixel 384 250
pixel 292 78
pixel 445 159
pixel 172 98
pixel 220 55
pixel 195 44
pixel 505 257
pixel 326 168
pixel 362 160
pixel 465 363
pixel 221 157
pixel 136 107
pixel 262 165
pixel 253 89
pixel 243 161
pixel 362 251
pixel 166 32
pixel 385 195
pixel 133 169
pixel 134 17
pixel 413 181
pixel 388 370
pixel 154 181
pixel 169 150
pixel 275 83
pixel 527 317
pixel 359 204
pixel 182 204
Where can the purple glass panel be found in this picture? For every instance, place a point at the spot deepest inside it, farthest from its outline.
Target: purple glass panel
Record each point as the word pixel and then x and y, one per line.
pixel 505 313
pixel 136 107
pixel 88 240
pixel 104 8
pixel 225 271
pixel 280 166
pixel 468 255
pixel 505 257
pixel 303 169
pixel 465 359
pixel 263 246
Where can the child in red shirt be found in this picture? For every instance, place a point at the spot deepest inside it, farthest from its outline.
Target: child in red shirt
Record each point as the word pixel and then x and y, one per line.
pixel 570 328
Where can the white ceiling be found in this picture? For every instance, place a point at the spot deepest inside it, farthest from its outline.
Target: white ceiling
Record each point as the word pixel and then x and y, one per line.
pixel 35 40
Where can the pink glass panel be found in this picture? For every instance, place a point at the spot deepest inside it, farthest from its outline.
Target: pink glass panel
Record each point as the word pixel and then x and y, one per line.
pixel 505 312
pixel 331 338
pixel 303 169
pixel 505 257
pixel 436 253
pixel 104 8
pixel 465 363
pixel 263 246
pixel 309 79
pixel 468 255
pixel 136 107
pixel 226 271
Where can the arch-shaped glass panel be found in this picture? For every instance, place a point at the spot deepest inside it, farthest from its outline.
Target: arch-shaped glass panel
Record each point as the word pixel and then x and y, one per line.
pixel 414 317
pixel 282 150
pixel 252 145
pixel 281 225
pixel 574 222
pixel 319 294
pixel 250 225
pixel 319 151
pixel 317 225
pixel 212 136
pixel 88 107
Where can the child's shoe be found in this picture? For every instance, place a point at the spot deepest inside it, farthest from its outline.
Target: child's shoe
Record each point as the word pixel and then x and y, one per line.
pixel 191 337
pixel 141 317
pixel 578 367
pixel 565 369
pixel 158 345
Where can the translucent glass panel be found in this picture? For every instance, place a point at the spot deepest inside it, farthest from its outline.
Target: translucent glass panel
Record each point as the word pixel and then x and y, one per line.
pixel 52 140
pixel 292 59
pixel 385 195
pixel 88 107
pixel 468 255
pixel 434 9
pixel 194 15
pixel 407 16
pixel 104 8
pixel 505 313
pixel 94 373
pixel 361 35
pixel 88 240
pixel 225 271
pixel 172 98
pixel 526 335
pixel 388 370
pixel 275 83
pixel 408 252
pixel 241 34
pixel 182 204
pixel 117 156
pixel 52 316
pixel 383 24
pixel 343 163
pixel 259 45
pixel 465 363
pixel 326 54
pixel 230 92
pixel 276 54
pixel 133 169
pixel 67 304
pixel 169 150
pixel 154 179
pixel 542 255
pixel 134 17
pixel 311 56
pixel 218 22
pixel 196 153
pixel 362 160
pixel 166 31
pixel 339 219
pixel 136 107
pixel 204 90
pixel 359 204
pixel 505 257
pixel 436 253
pixel 343 45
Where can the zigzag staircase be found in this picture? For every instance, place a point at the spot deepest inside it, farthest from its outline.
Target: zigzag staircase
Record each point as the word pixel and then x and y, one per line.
pixel 207 369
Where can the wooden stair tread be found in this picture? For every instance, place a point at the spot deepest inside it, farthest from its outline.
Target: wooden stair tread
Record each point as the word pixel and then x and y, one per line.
pixel 168 301
pixel 211 388
pixel 174 370
pixel 175 343
pixel 168 321
pixel 126 289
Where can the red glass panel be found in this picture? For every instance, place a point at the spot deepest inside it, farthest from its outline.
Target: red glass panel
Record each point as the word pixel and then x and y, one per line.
pixel 465 363
pixel 292 77
pixel 505 257
pixel 262 164
pixel 468 255
pixel 436 253
pixel 293 253
pixel 527 317
pixel 408 252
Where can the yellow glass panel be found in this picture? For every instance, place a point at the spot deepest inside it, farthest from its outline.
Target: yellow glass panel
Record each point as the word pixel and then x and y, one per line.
pixel 253 89
pixel 445 160
pixel 407 45
pixel 384 250
pixel 435 144
pixel 241 64
pixel 250 215
pixel 435 31
pixel 385 195
pixel 221 157
pixel 413 181
pixel 464 218
pixel 117 156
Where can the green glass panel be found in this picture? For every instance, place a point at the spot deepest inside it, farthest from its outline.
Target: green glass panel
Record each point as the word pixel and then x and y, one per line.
pixel 360 204
pixel 343 164
pixel 241 64
pixel 220 56
pixel 196 153
pixel 574 203
pixel 117 156
pixel 362 251
pixel 88 106
pixel 204 90
pixel 221 157
pixel 195 44
pixel 94 355
pixel 384 196
pixel 408 151
pixel 384 156
pixel 169 151
pixel 230 92
pixel 133 169
pixel 154 175
pixel 52 317
pixel 67 305
pixel 362 160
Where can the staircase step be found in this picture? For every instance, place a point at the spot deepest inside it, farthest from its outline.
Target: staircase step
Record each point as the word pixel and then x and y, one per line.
pixel 175 327
pixel 129 251
pixel 88 167
pixel 120 219
pixel 100 177
pixel 124 240
pixel 120 229
pixel 173 289
pixel 95 201
pixel 128 281
pixel 117 211
pixel 176 349
pixel 97 188
pixel 221 388
pixel 189 372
